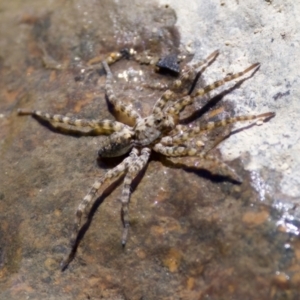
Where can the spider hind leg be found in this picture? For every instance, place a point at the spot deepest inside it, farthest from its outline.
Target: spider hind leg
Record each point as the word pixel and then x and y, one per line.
pixel 210 162
pixel 137 165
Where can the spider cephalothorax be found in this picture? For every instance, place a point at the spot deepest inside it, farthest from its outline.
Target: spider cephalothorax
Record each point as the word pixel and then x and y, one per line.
pixel 159 132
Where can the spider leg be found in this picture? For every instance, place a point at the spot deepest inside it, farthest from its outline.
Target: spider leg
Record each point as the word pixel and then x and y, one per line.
pixel 110 59
pixel 205 62
pixel 179 105
pixel 189 73
pixel 162 101
pixel 111 174
pixel 186 132
pixel 124 109
pixel 210 162
pixel 101 126
pixel 186 75
pixel 113 57
pixel 138 164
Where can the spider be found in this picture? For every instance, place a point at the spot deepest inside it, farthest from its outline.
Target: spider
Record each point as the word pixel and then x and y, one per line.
pixel 159 132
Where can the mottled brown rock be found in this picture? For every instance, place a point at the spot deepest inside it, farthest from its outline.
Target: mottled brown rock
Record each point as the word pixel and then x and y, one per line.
pixel 187 239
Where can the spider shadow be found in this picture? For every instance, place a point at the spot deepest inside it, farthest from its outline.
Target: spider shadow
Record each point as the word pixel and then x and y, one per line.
pixel 202 171
pixel 84 228
pixel 214 101
pixel 199 74
pixel 81 233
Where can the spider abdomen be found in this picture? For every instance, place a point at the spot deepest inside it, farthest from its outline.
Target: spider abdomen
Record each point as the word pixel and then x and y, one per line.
pixel 116 144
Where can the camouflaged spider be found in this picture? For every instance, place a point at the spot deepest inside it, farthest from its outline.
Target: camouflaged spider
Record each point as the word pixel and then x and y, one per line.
pixel 159 132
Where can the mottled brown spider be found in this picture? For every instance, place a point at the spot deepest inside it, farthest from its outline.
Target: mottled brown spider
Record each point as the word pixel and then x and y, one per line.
pixel 159 132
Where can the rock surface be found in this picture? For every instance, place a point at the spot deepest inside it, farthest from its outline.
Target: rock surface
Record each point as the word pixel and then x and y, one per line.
pixel 193 235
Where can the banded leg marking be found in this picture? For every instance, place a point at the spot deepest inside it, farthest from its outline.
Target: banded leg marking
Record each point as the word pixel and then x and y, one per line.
pixel 160 104
pixel 111 174
pixel 185 76
pixel 138 164
pixel 119 106
pixel 190 71
pixel 187 100
pixel 206 62
pixel 102 126
pixel 186 132
pixel 221 82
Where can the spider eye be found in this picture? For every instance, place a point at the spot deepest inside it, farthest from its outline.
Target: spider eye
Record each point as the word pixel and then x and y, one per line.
pixel 157 121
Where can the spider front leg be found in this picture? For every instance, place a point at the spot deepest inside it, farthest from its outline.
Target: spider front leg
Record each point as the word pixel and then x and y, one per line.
pixel 162 101
pixel 179 105
pixel 137 165
pixel 101 126
pixel 188 74
pixel 205 62
pixel 121 108
pixel 209 162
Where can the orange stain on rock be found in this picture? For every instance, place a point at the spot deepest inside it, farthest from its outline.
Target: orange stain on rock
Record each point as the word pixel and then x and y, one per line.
pixel 254 219
pixel 190 283
pixel 172 260
pixel 10 96
pixel 89 97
